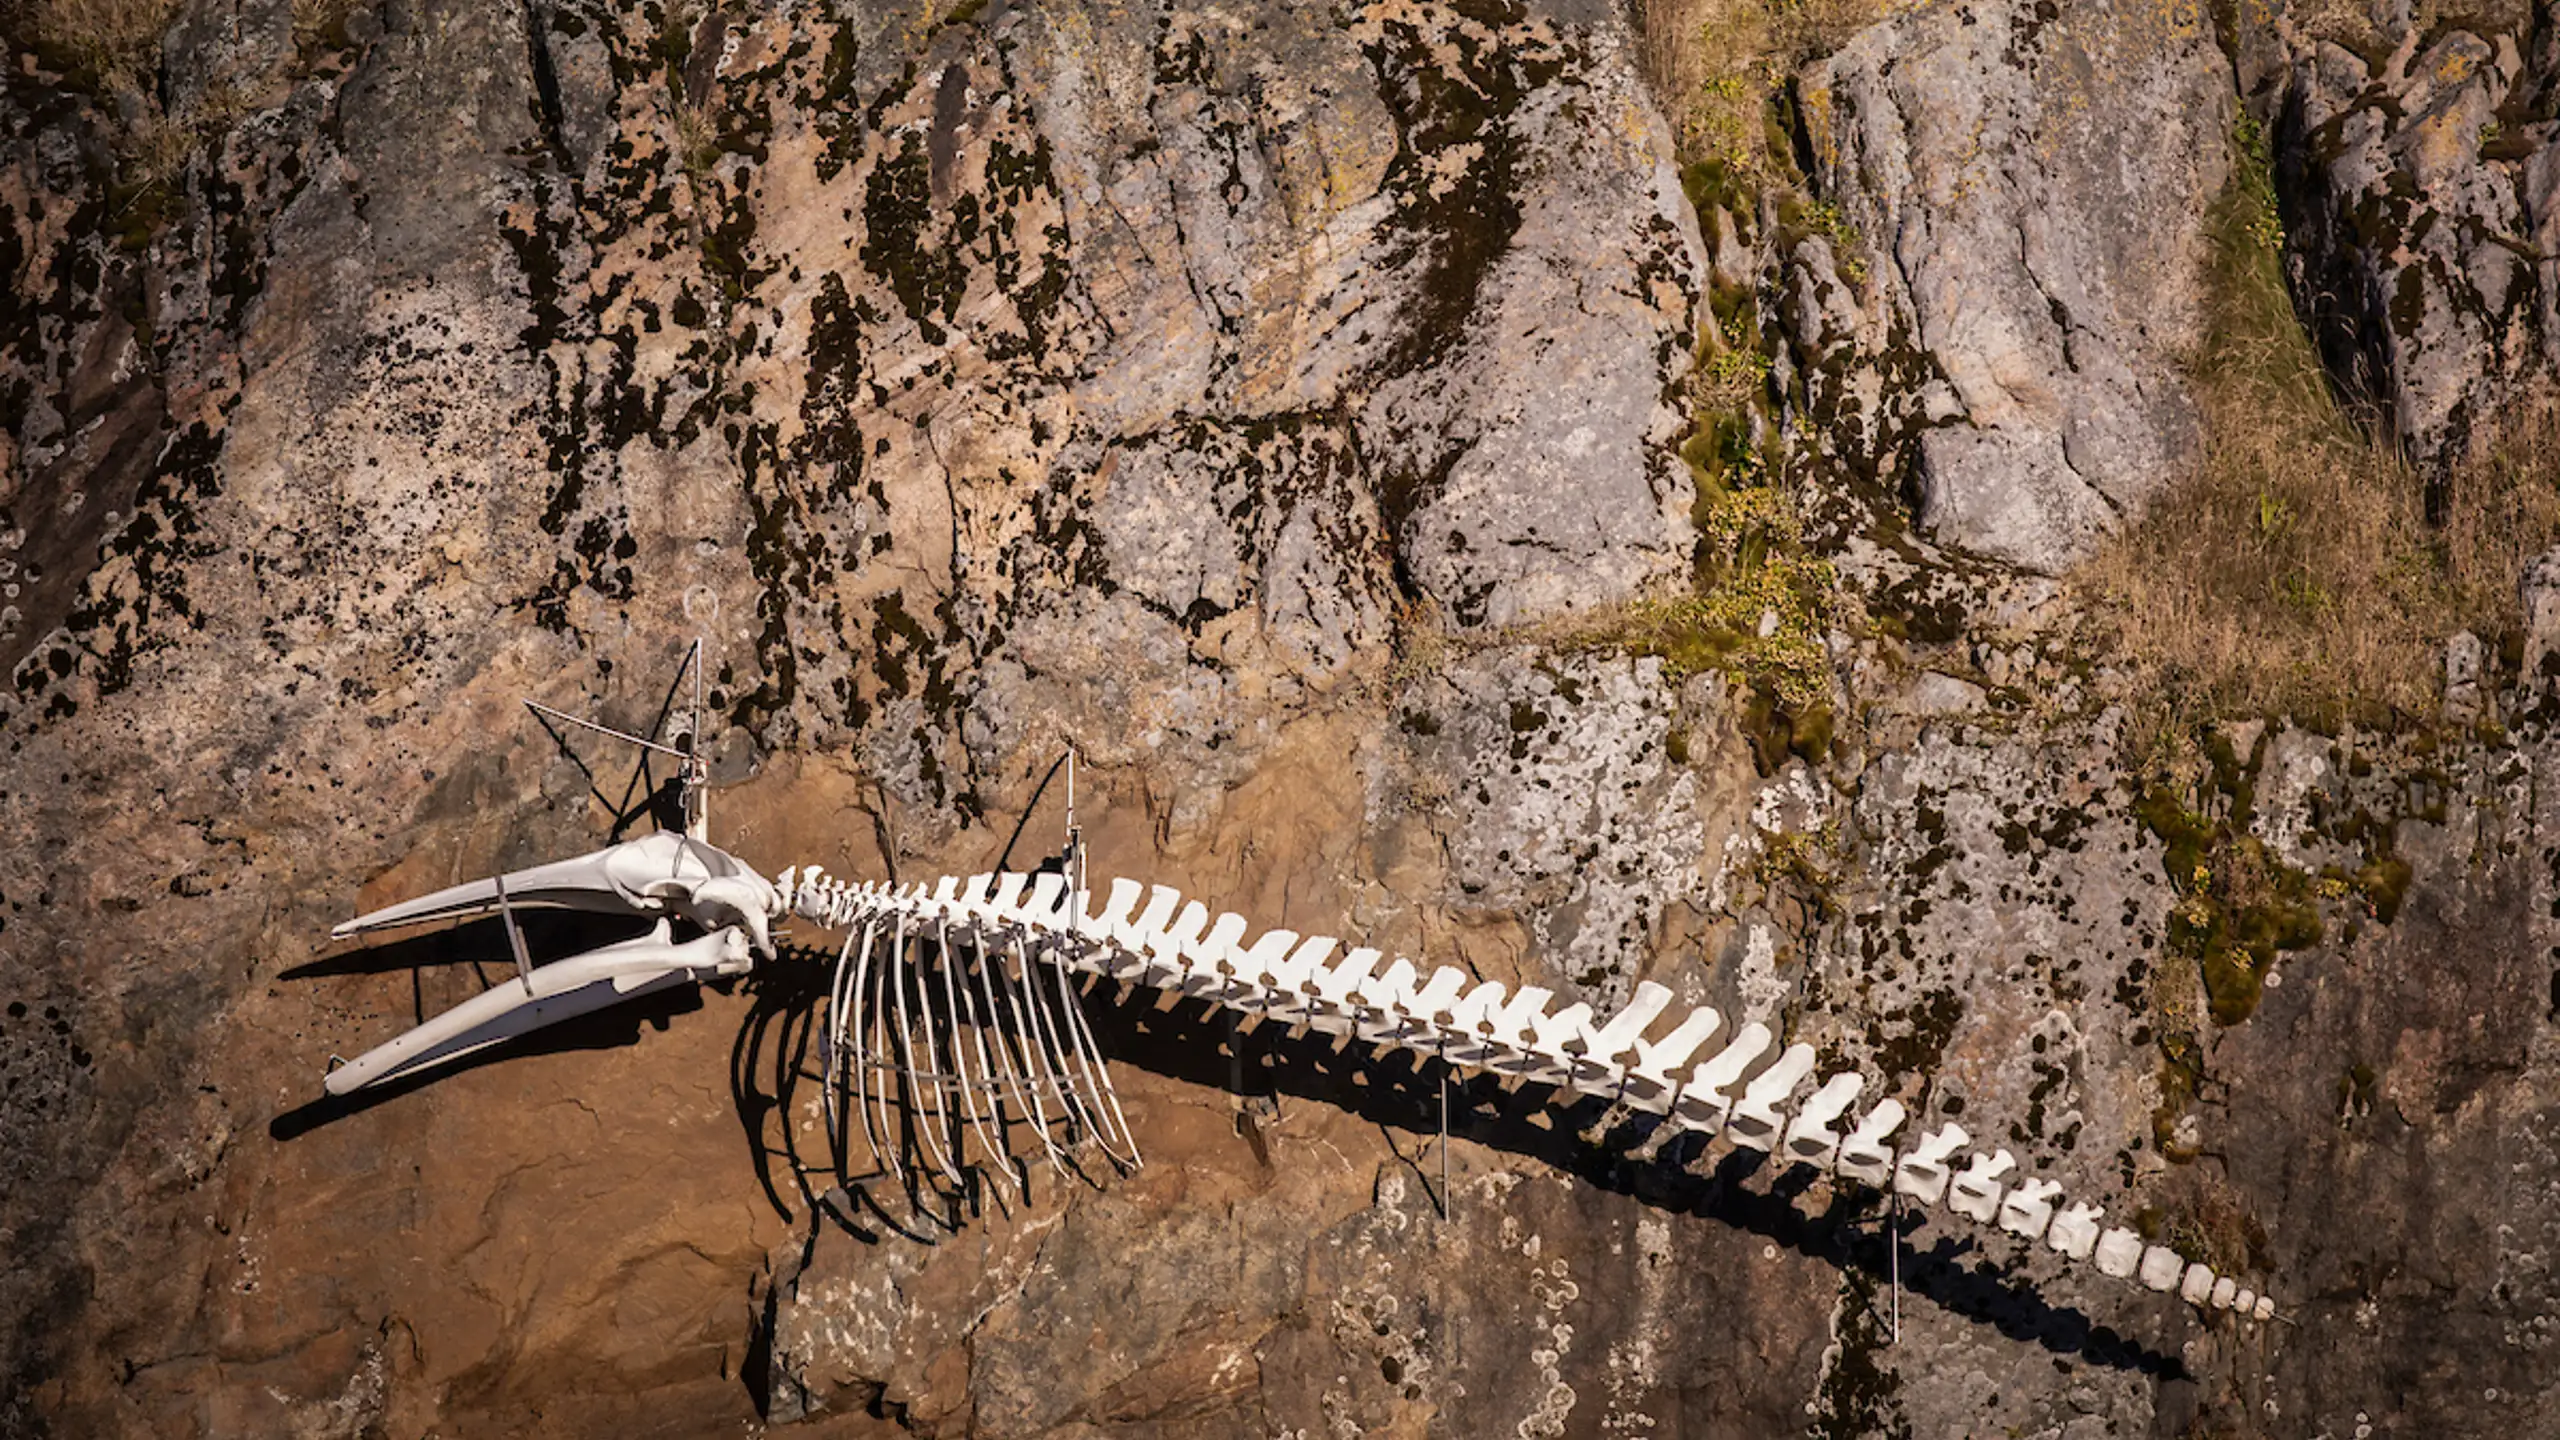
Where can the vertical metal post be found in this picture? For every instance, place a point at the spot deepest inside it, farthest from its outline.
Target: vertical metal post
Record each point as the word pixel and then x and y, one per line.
pixel 515 937
pixel 1445 1206
pixel 1895 1224
pixel 697 779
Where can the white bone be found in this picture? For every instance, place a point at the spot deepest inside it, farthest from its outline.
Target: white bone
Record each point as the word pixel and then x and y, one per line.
pixel 2074 1232
pixel 1337 985
pixel 2027 1210
pixel 1517 1021
pixel 2161 1267
pixel 1113 917
pixel 1755 1120
pixel 2197 1287
pixel 2265 1309
pixel 1472 1024
pixel 1650 1083
pixel 1008 891
pixel 1382 1000
pixel 1568 1026
pixel 2119 1253
pixel 1216 947
pixel 1627 1026
pixel 1163 949
pixel 1864 1156
pixel 1811 1140
pixel 1209 961
pixel 552 992
pixel 2244 1301
pixel 1702 1103
pixel 1293 980
pixel 1254 964
pixel 1136 934
pixel 1041 910
pixel 1333 1010
pixel 2223 1290
pixel 1976 1193
pixel 1435 999
pixel 1167 945
pixel 662 874
pixel 1923 1173
pixel 1553 1045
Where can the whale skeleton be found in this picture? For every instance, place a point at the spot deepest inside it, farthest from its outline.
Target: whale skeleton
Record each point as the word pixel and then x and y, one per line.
pixel 957 1005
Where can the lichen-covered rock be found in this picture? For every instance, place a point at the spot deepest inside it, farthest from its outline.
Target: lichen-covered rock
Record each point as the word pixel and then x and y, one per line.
pixel 1553 785
pixel 2419 195
pixel 2013 272
pixel 1211 390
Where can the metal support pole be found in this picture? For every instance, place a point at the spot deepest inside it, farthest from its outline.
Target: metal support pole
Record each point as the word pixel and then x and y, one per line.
pixel 1444 1140
pixel 515 937
pixel 1895 1225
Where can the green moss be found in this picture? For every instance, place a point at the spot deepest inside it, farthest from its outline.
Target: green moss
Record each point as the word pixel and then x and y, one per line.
pixel 2239 906
pixel 2384 883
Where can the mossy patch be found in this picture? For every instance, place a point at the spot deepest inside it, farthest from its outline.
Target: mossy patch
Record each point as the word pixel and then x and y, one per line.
pixel 2239 905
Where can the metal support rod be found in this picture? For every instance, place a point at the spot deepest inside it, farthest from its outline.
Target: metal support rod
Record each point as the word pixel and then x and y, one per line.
pixel 1444 1138
pixel 1894 1223
pixel 539 708
pixel 697 787
pixel 515 937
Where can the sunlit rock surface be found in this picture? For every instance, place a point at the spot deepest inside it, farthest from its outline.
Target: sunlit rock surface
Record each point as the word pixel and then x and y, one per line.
pixel 1277 403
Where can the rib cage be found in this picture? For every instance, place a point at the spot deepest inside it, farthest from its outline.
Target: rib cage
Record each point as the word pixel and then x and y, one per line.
pixel 997 932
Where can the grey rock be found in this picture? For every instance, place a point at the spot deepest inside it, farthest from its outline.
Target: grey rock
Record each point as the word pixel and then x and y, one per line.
pixel 2464 658
pixel 2422 304
pixel 1938 693
pixel 2028 190
pixel 1562 807
pixel 2538 595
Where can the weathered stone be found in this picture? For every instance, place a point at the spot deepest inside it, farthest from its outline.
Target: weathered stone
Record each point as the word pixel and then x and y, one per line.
pixel 2403 198
pixel 1149 380
pixel 2024 189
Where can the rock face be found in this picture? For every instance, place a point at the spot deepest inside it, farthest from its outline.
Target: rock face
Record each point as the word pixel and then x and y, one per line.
pixel 2419 221
pixel 1244 396
pixel 2029 183
pixel 2422 192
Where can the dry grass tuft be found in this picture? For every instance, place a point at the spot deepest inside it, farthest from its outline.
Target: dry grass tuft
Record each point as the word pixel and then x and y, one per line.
pixel 111 41
pixel 2296 572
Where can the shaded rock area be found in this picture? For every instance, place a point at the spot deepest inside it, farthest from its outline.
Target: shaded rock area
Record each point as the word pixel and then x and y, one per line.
pixel 1291 408
pixel 2422 197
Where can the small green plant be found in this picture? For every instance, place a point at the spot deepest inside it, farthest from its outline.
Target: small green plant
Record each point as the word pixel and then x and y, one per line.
pixel 1759 612
pixel 1736 377
pixel 2275 517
